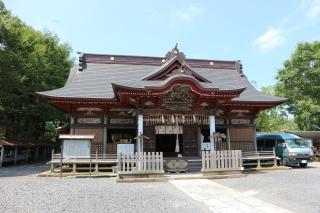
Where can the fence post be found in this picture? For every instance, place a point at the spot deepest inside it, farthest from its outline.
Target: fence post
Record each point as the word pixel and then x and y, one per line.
pixel 90 165
pixel 230 158
pixel 222 155
pixel 74 167
pixel 154 156
pixel 126 162
pixel 275 162
pixel 158 163
pixel 125 159
pixel 144 167
pixel 275 158
pixel 161 161
pixel 119 162
pixel 96 169
pixel 241 162
pixel 133 161
pixel 1 155
pixel 210 158
pixel 149 163
pixel 51 163
pixel 259 163
pixel 203 159
pixel 137 160
pixel 236 158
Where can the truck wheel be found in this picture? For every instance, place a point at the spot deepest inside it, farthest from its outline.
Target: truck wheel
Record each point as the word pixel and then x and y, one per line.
pixel 303 165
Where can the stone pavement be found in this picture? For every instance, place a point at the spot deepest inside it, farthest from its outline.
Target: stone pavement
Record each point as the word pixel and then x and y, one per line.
pixel 220 199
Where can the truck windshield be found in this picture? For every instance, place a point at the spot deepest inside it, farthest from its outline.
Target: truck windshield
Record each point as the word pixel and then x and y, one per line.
pixel 298 142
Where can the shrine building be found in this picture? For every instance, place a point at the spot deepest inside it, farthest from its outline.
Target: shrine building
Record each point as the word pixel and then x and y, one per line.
pixel 176 102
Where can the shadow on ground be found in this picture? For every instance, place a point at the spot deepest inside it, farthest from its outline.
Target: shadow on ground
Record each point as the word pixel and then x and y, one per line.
pixel 308 167
pixel 23 170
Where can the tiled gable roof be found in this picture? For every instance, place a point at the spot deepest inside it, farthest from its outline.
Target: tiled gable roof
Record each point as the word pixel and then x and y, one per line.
pixel 99 72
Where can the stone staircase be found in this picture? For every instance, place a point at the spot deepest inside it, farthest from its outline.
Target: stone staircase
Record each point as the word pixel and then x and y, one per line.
pixel 195 165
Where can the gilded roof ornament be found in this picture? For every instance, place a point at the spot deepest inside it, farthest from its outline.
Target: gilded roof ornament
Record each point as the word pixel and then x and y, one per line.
pixel 175 52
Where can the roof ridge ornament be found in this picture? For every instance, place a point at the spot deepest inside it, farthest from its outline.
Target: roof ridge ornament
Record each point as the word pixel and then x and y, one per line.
pixel 175 52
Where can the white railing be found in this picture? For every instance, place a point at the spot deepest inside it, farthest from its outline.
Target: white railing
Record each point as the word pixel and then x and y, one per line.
pixel 221 160
pixel 140 163
pixel 255 158
pixel 93 157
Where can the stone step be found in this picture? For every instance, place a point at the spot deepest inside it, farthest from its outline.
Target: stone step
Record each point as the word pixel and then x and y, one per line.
pixel 194 165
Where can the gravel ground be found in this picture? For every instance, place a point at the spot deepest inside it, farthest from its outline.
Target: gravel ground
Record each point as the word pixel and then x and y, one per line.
pixel 24 192
pixel 297 190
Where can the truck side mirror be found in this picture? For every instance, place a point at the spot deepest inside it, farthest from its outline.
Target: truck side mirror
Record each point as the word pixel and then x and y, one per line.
pixel 284 145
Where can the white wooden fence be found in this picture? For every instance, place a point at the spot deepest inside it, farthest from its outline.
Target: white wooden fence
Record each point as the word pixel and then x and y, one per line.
pixel 140 163
pixel 221 160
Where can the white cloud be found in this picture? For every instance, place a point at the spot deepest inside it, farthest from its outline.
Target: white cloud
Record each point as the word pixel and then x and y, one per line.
pixel 313 9
pixel 186 13
pixel 270 39
pixel 306 15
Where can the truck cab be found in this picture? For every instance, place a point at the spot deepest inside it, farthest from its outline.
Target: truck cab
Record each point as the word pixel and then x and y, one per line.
pixel 291 149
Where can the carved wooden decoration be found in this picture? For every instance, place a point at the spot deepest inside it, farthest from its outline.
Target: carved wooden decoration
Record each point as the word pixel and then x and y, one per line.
pixel 179 98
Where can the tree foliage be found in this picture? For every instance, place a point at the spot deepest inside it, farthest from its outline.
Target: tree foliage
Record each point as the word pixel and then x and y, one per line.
pixel 275 119
pixel 299 81
pixel 30 61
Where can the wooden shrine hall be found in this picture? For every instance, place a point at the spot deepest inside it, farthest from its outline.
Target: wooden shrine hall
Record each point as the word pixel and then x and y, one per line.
pixel 173 102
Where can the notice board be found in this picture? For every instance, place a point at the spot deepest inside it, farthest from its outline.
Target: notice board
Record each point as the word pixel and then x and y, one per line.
pixel 76 148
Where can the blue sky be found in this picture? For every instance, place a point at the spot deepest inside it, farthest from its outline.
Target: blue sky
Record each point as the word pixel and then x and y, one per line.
pixel 262 34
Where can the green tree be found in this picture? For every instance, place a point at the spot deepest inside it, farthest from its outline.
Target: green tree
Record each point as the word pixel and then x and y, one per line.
pixel 30 61
pixel 275 119
pixel 299 81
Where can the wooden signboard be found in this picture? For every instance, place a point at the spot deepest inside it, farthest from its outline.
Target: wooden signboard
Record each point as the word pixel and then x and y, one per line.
pixel 89 120
pixel 121 121
pixel 79 148
pixel 169 129
pixel 240 121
